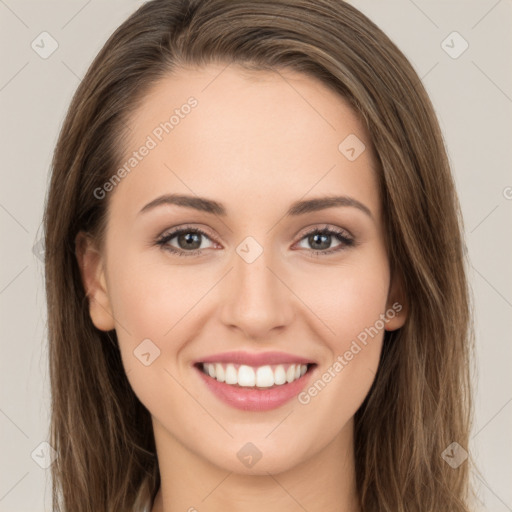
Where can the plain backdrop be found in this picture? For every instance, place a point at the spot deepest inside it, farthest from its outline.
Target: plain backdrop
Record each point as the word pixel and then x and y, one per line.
pixel 472 95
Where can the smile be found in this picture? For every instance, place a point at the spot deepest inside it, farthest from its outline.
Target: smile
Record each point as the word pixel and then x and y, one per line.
pixel 257 381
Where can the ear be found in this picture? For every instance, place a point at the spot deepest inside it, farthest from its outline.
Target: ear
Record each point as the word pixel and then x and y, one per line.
pixel 92 271
pixel 397 306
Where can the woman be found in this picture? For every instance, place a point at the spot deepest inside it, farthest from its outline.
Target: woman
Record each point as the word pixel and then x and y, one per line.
pixel 264 371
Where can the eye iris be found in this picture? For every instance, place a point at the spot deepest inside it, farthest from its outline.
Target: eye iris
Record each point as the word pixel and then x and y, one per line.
pixel 313 239
pixel 190 239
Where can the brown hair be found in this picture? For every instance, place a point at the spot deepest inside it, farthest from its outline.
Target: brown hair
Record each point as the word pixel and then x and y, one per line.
pixel 420 400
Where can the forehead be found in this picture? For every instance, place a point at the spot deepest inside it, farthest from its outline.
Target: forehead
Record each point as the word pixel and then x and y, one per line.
pixel 227 132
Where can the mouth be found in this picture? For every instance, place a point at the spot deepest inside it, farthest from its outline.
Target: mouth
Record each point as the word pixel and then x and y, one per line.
pixel 255 382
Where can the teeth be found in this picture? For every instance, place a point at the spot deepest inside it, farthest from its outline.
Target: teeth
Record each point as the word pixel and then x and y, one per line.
pixel 290 374
pixel 246 376
pixel 280 375
pixel 219 373
pixel 260 377
pixel 264 377
pixel 231 374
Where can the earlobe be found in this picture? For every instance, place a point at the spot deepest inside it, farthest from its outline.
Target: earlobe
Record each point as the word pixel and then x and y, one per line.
pixel 91 264
pixel 397 307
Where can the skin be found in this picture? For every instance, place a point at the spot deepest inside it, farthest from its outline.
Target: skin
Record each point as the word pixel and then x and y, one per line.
pixel 256 142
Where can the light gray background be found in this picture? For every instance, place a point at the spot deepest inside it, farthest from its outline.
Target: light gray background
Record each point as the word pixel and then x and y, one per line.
pixel 472 95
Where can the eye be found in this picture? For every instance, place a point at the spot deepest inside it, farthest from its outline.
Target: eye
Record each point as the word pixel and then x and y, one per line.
pixel 187 238
pixel 321 238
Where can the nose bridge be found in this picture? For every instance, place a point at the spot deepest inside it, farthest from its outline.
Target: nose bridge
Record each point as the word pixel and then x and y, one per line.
pixel 257 301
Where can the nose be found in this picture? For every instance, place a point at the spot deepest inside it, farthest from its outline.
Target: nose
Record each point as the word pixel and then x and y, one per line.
pixel 257 299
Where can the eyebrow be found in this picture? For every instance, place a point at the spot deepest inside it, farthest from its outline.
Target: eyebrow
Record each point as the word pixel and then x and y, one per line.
pixel 297 208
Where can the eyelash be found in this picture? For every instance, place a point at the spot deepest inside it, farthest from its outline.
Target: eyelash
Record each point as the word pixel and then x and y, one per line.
pixel 338 234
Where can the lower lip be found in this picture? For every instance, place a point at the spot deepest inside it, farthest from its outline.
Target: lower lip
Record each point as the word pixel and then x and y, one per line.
pixel 255 399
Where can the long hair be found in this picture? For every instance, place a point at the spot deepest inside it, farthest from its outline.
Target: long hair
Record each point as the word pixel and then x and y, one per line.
pixel 420 401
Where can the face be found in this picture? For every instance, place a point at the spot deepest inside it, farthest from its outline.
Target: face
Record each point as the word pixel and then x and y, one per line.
pixel 216 251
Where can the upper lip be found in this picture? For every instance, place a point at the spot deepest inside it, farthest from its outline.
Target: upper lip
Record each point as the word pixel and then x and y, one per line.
pixel 255 358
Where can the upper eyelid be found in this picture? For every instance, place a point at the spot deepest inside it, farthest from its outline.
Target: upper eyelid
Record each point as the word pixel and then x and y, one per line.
pixel 175 231
pixel 327 227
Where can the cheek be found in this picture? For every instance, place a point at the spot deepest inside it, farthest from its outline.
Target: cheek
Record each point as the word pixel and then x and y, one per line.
pixel 156 306
pixel 153 307
pixel 348 298
pixel 351 302
pixel 150 297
